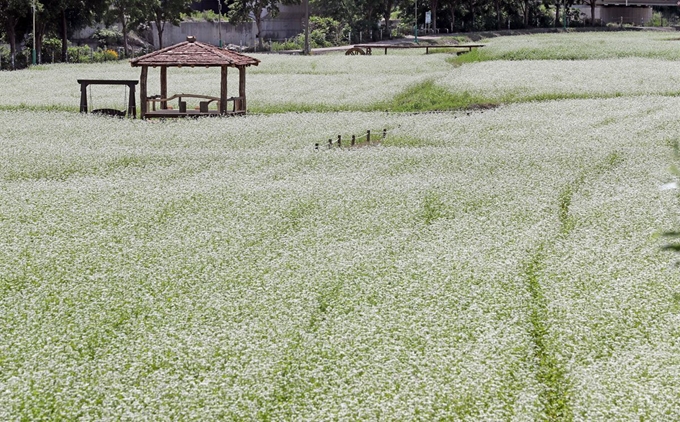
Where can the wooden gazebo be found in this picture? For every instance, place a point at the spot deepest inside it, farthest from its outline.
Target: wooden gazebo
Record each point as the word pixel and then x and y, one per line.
pixel 192 53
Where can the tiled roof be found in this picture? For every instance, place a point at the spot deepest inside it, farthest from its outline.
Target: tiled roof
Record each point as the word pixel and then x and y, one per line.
pixel 194 53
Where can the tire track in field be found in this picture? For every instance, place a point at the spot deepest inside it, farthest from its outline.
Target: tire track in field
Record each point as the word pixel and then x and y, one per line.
pixel 290 386
pixel 555 389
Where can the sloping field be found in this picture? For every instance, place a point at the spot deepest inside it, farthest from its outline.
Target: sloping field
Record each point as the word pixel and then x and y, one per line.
pixel 502 264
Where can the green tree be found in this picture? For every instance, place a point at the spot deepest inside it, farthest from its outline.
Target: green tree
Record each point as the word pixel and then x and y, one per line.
pixel 252 10
pixel 66 16
pixel 452 7
pixel 434 4
pixel 592 4
pixel 127 13
pixel 11 14
pixel 564 5
pixel 161 12
pixel 358 15
pixel 387 9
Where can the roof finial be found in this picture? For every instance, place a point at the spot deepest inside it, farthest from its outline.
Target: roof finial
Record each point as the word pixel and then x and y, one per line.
pixel 191 38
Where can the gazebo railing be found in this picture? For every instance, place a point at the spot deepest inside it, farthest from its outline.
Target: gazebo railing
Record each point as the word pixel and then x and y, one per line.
pixel 203 108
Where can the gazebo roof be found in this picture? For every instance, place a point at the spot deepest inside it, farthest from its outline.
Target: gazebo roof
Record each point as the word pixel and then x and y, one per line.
pixel 194 53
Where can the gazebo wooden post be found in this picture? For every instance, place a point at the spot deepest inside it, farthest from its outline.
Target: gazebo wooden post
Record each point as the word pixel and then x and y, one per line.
pixel 223 90
pixel 164 87
pixel 142 89
pixel 242 87
pixel 132 107
pixel 83 97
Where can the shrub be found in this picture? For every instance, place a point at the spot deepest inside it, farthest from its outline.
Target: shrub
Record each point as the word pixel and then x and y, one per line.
pixel 82 54
pixel 324 32
pixel 4 58
pixel 207 16
pixel 107 36
pixel 110 55
pixel 291 44
pixel 51 49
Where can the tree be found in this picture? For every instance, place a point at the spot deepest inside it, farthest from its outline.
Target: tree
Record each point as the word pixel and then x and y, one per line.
pixel 433 9
pixel 357 15
pixel 452 7
pixel 11 13
pixel 561 4
pixel 592 4
pixel 247 10
pixel 163 11
pixel 472 7
pixel 127 13
pixel 388 7
pixel 499 17
pixel 524 6
pixel 66 16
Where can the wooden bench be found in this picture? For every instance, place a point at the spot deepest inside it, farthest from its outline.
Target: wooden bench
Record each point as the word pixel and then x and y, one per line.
pixel 130 111
pixel 181 111
pixel 368 48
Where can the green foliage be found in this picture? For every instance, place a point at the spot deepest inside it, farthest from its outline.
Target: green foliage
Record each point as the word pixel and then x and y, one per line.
pixel 324 32
pixel 108 37
pixel 85 54
pixel 198 16
pixel 657 20
pixel 81 54
pixel 50 48
pixel 296 43
pixel 4 58
pixel 356 16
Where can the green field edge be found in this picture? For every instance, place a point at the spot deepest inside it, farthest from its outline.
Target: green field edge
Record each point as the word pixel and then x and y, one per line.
pixel 539 54
pixel 37 107
pixel 425 97
pixel 428 97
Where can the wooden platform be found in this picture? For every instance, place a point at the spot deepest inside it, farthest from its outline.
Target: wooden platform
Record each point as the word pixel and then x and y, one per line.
pixel 172 114
pixel 368 48
pixel 181 110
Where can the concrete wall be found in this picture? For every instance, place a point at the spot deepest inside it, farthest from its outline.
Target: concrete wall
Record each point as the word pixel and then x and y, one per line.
pixel 209 33
pixel 287 24
pixel 612 14
pixel 632 15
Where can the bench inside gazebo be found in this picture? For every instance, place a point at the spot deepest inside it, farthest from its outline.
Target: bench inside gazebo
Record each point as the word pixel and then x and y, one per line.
pixel 192 53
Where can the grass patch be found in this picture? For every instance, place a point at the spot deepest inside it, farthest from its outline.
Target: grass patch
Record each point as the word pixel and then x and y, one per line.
pixel 300 108
pixel 554 394
pixel 474 56
pixel 427 96
pixel 38 107
pixel 433 208
pixel 574 46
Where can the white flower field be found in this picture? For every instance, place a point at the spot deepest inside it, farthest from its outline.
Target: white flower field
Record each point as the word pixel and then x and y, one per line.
pixel 487 264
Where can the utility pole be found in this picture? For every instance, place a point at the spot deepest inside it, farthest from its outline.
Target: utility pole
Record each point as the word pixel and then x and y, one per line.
pixel 219 21
pixel 306 51
pixel 33 51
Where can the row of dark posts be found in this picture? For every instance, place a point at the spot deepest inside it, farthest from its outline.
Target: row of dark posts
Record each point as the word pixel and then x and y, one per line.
pixel 353 141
